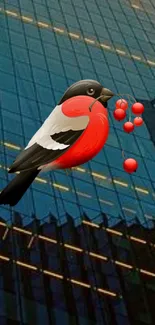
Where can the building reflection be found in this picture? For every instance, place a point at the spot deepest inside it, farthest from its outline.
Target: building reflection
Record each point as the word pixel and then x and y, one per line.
pixel 149 116
pixel 89 274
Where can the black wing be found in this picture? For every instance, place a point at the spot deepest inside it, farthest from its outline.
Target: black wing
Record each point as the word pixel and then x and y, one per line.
pixel 36 156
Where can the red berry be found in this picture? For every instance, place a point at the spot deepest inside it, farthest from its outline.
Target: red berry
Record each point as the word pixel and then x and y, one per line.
pixel 130 165
pixel 138 121
pixel 121 103
pixel 137 108
pixel 128 127
pixel 119 114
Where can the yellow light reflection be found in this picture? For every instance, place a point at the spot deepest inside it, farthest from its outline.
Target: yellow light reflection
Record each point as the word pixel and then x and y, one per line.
pixel 129 210
pixel 119 263
pixel 124 265
pixel 41 24
pixel 74 35
pixel 73 248
pixel 120 183
pixel 79 169
pixel 27 19
pixel 109 293
pixel 142 190
pixel 138 240
pixel 5 233
pixel 60 30
pixel 90 224
pixel 98 175
pixel 105 46
pixel 150 62
pixel 120 52
pixel 112 231
pixel 11 13
pixel 55 275
pixel 28 266
pixel 106 202
pixel 84 194
pixel 101 257
pixel 88 40
pixel 115 232
pixel 80 283
pixel 3 224
pixel 4 258
pixel 30 242
pixel 135 6
pixel 50 240
pixel 41 180
pixel 22 230
pixel 61 187
pixel 147 273
pixel 59 276
pixel 136 57
pixel 12 146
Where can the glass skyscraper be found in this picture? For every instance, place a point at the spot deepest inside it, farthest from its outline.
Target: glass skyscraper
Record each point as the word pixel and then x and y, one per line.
pixel 45 46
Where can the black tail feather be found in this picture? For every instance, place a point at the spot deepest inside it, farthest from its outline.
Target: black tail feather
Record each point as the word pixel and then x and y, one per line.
pixel 14 191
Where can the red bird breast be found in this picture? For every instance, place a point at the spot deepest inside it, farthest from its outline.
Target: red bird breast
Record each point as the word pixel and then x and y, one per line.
pixel 94 136
pixel 79 106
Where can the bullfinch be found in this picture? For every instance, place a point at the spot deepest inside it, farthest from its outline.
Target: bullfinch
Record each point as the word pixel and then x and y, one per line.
pixel 75 131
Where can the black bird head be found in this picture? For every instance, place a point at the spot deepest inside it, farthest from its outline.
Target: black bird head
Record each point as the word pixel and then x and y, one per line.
pixel 90 88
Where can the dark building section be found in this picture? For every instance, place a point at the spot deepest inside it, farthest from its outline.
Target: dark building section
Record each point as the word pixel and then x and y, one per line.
pixel 90 274
pixel 149 116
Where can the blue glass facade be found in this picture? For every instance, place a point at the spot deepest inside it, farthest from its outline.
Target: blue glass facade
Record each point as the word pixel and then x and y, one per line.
pixel 44 47
pixel 102 271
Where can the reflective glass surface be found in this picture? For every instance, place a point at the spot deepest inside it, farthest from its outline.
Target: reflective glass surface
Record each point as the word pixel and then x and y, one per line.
pixel 45 46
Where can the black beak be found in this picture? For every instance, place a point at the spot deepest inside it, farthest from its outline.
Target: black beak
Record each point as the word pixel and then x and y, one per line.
pixel 107 94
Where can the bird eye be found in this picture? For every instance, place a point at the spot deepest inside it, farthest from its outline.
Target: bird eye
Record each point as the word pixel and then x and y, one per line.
pixel 91 91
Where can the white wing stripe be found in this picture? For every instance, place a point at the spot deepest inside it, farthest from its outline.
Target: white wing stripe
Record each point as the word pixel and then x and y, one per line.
pixel 48 143
pixel 55 123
